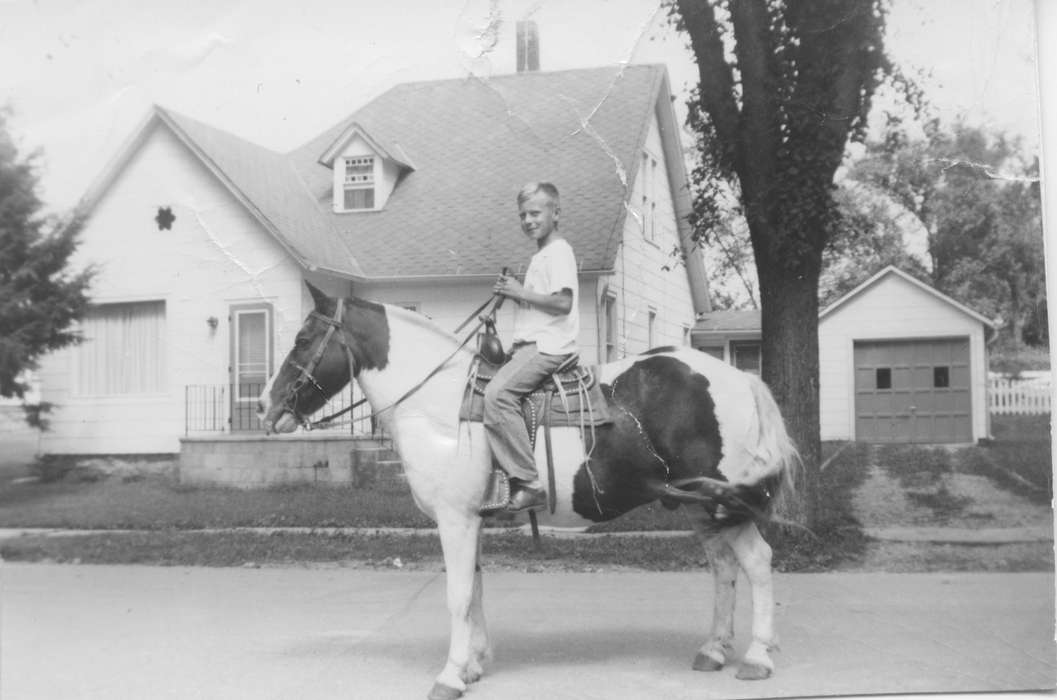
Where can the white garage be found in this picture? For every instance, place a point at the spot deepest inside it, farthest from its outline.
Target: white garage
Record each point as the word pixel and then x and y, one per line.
pixel 901 362
pixel 898 362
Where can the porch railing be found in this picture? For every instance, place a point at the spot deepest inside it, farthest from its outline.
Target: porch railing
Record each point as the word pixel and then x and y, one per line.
pixel 211 408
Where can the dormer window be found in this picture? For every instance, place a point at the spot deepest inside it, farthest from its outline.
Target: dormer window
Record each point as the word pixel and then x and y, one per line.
pixel 365 170
pixel 359 183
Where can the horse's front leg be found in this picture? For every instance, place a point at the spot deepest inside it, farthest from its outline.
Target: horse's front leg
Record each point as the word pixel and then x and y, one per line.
pixel 754 556
pixel 459 537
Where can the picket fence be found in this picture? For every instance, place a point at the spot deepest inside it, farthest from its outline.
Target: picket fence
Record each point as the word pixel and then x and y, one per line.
pixel 1006 396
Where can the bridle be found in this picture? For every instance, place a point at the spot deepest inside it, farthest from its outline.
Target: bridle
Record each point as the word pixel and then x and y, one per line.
pixel 306 375
pixel 334 324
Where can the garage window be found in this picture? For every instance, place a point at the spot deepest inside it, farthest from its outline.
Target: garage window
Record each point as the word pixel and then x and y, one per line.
pixel 941 377
pixel 883 377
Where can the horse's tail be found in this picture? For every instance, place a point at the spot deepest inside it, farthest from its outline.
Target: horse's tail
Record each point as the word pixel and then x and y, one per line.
pixel 775 448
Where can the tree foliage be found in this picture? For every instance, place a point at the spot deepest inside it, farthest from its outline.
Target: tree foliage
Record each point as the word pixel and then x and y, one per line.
pixel 39 297
pixel 979 201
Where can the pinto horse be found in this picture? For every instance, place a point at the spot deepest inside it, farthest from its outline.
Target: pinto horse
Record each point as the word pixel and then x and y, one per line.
pixel 687 429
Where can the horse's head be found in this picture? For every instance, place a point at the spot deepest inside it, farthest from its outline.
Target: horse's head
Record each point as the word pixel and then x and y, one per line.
pixel 339 338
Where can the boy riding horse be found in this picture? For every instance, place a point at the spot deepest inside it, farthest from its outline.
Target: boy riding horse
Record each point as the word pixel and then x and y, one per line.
pixel 546 327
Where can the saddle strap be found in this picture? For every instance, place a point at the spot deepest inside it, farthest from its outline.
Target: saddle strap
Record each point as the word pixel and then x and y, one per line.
pixel 551 497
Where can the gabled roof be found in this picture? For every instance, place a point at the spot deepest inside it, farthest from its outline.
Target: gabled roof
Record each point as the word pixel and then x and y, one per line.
pixel 891 271
pixel 260 179
pixel 394 153
pixel 473 143
pixel 719 322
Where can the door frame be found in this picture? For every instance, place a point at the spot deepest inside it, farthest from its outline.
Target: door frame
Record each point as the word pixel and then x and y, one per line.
pixel 234 311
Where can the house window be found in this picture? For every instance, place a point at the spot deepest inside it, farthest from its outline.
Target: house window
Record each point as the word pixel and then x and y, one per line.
pixel 883 377
pixel 649 197
pixel 686 335
pixel 746 355
pixel 651 329
pixel 123 352
pixel 941 377
pixel 609 327
pixel 359 183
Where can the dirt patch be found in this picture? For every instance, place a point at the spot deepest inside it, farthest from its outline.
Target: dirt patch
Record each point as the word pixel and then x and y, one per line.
pixel 952 500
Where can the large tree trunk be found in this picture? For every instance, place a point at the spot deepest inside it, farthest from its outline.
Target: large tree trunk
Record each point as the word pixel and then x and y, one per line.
pixel 789 315
pixel 790 362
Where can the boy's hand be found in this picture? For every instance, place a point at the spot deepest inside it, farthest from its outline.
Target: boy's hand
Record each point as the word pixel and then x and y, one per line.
pixel 509 287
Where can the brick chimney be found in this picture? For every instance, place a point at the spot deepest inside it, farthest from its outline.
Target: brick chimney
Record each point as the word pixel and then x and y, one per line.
pixel 528 46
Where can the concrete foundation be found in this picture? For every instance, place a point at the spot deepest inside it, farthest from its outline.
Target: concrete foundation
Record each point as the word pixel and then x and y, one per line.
pixel 253 461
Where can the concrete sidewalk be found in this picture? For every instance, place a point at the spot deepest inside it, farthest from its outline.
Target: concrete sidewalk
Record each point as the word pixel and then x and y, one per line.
pixel 938 535
pixel 138 632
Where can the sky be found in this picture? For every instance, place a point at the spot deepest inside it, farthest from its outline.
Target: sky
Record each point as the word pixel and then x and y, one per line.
pixel 80 75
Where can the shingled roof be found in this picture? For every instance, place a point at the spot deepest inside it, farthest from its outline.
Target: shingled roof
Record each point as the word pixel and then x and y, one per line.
pixel 473 142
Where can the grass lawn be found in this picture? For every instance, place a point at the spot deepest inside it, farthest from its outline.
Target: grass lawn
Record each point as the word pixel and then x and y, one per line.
pixel 163 513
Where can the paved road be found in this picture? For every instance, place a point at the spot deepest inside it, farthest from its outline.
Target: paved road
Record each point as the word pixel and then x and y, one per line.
pixel 147 632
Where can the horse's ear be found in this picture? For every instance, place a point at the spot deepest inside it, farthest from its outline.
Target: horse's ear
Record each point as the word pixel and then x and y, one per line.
pixel 318 296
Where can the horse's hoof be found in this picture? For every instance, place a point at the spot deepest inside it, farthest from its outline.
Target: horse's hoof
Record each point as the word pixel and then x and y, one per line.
pixel 704 662
pixel 753 672
pixel 439 691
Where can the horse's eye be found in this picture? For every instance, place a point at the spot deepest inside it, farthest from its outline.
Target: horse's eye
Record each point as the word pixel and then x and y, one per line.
pixel 301 343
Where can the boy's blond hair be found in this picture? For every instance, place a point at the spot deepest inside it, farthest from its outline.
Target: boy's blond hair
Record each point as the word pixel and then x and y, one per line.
pixel 531 189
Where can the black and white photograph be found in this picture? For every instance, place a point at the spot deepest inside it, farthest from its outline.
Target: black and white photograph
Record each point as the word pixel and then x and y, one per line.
pixel 510 349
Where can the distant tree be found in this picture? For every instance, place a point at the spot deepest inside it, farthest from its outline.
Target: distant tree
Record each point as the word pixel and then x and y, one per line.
pixel 979 200
pixel 870 234
pixel 39 297
pixel 783 86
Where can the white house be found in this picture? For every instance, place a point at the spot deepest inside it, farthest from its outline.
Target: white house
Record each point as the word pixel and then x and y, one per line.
pixel 203 240
pixel 898 362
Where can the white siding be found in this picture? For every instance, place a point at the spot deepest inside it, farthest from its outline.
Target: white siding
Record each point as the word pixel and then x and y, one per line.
pixel 215 255
pixel 891 309
pixel 640 281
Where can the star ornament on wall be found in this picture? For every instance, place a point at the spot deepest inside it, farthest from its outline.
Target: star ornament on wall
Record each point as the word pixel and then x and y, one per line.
pixel 165 218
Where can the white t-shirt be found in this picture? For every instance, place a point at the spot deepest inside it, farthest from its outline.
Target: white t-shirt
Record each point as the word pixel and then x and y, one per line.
pixel 551 269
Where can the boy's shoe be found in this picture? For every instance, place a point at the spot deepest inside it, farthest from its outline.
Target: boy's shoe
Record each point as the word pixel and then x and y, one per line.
pixel 526 498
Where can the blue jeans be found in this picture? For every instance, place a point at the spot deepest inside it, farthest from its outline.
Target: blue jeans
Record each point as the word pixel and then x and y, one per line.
pixel 504 424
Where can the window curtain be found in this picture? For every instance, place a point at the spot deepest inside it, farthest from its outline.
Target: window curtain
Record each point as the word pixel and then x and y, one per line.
pixel 123 350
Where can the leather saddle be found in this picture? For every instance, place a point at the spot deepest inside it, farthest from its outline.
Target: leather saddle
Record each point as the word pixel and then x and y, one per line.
pixel 571 397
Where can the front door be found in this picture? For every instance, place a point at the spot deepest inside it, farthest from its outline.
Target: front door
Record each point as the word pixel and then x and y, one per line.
pixel 251 362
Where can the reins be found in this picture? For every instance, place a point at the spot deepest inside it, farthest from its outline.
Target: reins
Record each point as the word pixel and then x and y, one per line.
pixel 336 322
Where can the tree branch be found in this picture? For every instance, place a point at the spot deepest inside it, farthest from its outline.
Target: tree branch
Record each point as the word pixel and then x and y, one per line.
pixel 715 76
pixel 833 68
pixel 754 47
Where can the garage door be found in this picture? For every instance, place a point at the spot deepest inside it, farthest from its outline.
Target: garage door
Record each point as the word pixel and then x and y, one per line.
pixel 913 391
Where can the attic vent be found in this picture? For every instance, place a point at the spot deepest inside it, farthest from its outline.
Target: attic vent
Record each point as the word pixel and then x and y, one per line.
pixel 164 218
